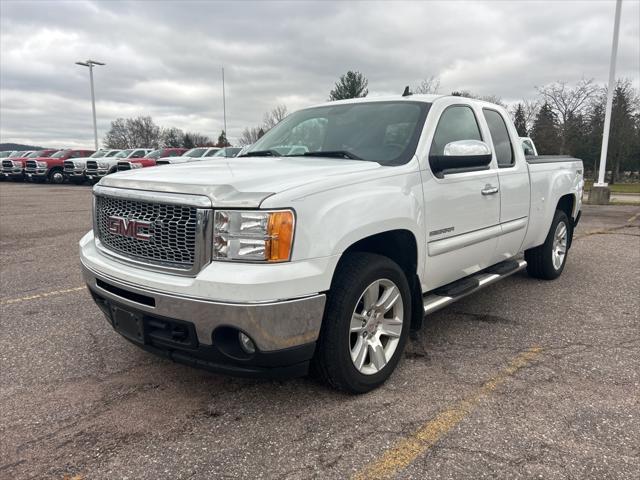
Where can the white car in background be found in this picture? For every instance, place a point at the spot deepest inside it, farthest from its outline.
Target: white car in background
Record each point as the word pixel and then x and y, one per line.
pixel 228 152
pixel 193 155
pixel 74 168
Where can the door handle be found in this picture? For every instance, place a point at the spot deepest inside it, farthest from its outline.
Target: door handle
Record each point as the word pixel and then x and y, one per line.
pixel 489 190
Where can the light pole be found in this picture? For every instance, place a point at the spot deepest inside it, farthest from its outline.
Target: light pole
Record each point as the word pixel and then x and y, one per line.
pixel 599 191
pixel 90 64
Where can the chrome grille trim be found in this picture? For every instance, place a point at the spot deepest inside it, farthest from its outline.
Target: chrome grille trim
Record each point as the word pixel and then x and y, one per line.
pixel 31 165
pixel 122 166
pixel 184 245
pixel 92 165
pixel 69 165
pixel 7 163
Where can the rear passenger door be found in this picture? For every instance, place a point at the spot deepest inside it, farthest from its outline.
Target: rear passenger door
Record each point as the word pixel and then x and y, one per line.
pixel 513 176
pixel 461 216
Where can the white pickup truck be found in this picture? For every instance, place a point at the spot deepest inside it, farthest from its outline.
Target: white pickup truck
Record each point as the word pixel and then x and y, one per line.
pixel 268 264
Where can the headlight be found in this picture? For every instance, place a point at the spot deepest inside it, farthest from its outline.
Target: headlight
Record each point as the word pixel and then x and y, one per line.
pixel 41 164
pixel 16 164
pixel 254 236
pixel 102 164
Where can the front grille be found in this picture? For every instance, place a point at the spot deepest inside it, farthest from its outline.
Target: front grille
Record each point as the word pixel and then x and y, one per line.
pixel 92 165
pixel 173 231
pixel 7 163
pixel 69 166
pixel 163 162
pixel 31 165
pixel 124 166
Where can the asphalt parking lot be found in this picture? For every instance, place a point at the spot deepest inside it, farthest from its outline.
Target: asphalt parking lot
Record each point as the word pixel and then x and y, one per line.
pixel 526 379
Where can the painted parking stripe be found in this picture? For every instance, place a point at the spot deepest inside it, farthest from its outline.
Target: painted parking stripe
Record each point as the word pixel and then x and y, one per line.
pixel 42 295
pixel 408 449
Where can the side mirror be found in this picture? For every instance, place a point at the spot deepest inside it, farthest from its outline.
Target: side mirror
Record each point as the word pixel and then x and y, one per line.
pixel 461 155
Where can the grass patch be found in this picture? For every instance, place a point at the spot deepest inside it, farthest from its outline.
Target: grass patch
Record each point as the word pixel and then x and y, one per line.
pixel 618 187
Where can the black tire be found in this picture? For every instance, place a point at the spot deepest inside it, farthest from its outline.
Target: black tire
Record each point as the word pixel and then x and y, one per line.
pixel 56 177
pixel 540 259
pixel 332 361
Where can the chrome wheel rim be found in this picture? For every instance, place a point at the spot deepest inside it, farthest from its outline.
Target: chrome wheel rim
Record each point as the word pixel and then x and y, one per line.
pixel 376 326
pixel 559 250
pixel 57 177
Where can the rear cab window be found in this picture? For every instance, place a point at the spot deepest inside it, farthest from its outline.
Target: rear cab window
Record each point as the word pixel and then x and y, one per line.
pixel 500 138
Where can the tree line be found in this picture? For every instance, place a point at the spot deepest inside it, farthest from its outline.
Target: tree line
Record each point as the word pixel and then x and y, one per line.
pixel 143 132
pixel 563 118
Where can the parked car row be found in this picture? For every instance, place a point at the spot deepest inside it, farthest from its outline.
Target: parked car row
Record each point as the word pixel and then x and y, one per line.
pixel 79 166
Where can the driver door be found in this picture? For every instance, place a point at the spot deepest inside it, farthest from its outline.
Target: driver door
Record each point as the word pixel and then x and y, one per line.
pixel 462 207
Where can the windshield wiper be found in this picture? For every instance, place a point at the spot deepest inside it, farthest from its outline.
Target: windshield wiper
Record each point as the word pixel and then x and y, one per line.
pixel 334 154
pixel 262 153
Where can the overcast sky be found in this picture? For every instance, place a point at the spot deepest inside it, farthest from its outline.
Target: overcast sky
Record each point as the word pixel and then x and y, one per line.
pixel 163 58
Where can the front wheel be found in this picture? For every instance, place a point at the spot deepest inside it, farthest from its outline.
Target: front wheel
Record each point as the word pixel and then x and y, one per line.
pixel 547 261
pixel 56 176
pixel 366 323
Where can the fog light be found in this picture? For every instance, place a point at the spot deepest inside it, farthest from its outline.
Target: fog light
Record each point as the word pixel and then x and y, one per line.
pixel 246 343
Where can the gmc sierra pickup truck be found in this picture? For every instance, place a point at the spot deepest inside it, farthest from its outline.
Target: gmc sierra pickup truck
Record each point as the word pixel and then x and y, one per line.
pixel 273 262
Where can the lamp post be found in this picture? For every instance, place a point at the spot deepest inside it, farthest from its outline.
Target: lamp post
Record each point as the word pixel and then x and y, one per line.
pixel 90 64
pixel 600 192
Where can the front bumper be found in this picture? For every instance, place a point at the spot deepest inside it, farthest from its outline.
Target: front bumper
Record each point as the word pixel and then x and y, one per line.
pixel 93 174
pixel 12 173
pixel 37 173
pixel 284 332
pixel 74 174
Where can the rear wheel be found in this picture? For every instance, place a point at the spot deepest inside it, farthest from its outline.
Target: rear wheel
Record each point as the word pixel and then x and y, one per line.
pixel 365 325
pixel 547 261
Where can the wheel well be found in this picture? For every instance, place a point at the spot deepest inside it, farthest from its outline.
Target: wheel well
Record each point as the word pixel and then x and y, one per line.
pixel 566 204
pixel 401 247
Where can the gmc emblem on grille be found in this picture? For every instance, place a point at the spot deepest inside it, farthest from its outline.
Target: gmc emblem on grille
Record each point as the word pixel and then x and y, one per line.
pixel 131 228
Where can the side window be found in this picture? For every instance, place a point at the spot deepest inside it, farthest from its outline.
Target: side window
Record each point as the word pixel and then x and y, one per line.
pixel 138 154
pixel 456 123
pixel 500 137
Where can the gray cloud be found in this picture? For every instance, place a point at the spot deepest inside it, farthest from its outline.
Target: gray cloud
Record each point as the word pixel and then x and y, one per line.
pixel 164 58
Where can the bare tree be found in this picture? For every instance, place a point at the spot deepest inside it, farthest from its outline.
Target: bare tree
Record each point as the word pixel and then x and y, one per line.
pixel 172 137
pixel 272 117
pixel 250 135
pixel 568 101
pixel 428 85
pixel 143 132
pixel 200 140
pixel 529 109
pixel 117 136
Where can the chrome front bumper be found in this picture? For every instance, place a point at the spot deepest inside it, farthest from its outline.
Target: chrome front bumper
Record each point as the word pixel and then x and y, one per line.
pixel 272 326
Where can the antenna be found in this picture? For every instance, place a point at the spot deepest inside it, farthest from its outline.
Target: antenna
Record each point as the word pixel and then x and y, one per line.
pixel 406 92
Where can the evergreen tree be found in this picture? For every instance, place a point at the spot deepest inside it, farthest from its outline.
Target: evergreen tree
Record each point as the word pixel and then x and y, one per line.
pixel 187 141
pixel 520 121
pixel 222 140
pixel 350 85
pixel 622 129
pixel 545 132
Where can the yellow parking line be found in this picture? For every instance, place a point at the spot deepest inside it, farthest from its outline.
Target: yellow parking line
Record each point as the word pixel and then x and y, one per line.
pixel 407 450
pixel 42 295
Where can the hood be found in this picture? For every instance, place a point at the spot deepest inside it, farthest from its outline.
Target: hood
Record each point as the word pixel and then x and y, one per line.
pixel 237 182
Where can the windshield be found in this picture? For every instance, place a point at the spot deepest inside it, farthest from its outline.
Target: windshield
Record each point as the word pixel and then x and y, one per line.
pixel 39 153
pixel 383 132
pixel 112 153
pixel 212 152
pixel 227 152
pixel 155 154
pixel 195 152
pixel 99 154
pixel 124 153
pixel 5 154
pixel 60 154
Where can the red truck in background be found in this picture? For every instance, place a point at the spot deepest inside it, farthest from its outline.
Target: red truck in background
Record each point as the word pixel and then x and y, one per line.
pixel 150 159
pixel 51 167
pixel 13 167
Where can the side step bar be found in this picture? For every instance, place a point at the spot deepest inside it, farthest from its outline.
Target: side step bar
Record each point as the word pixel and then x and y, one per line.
pixel 448 294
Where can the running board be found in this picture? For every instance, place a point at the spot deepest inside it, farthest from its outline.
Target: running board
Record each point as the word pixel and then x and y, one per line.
pixel 439 299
